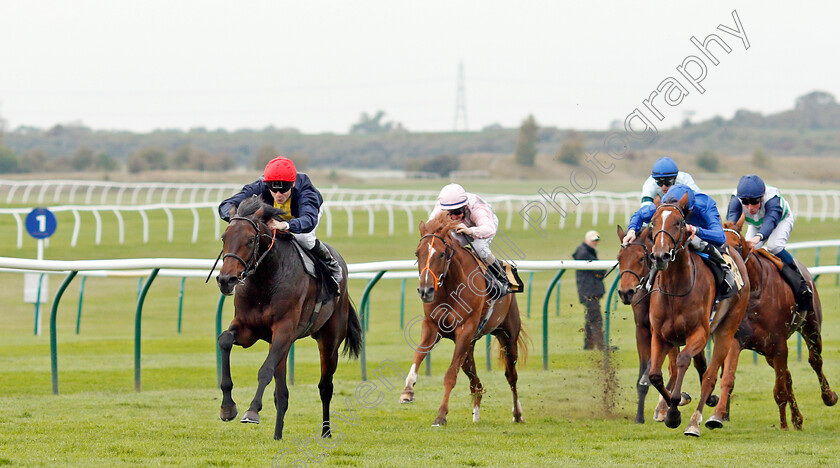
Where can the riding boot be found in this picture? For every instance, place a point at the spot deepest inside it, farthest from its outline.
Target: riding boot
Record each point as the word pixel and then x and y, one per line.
pixel 801 291
pixel 322 252
pixel 726 287
pixel 498 270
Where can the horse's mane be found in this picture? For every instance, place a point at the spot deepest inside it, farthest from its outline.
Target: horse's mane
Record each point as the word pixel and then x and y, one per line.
pixel 729 225
pixel 253 204
pixel 441 224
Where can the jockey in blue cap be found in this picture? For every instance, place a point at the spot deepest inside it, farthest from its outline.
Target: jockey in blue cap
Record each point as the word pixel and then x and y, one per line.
pixel 664 175
pixel 704 229
pixel 769 223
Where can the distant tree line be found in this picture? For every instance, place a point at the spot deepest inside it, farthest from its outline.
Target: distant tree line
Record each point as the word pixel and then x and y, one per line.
pixel 809 128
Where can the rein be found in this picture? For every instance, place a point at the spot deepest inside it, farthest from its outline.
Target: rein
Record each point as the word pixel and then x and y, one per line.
pixel 675 251
pixel 677 242
pixel 253 262
pixel 741 241
pixel 450 251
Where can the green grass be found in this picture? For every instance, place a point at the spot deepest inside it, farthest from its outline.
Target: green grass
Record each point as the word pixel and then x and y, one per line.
pixel 98 419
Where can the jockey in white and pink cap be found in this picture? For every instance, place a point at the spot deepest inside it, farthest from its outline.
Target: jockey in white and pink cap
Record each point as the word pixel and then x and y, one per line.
pixel 477 220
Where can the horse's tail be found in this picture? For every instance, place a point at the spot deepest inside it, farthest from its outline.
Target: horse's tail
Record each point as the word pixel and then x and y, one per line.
pixel 521 348
pixel 353 341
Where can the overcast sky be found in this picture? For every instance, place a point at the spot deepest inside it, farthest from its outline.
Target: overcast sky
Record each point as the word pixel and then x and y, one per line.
pixel 316 65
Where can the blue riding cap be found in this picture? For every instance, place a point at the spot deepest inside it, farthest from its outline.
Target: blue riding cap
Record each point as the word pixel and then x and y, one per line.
pixel 676 192
pixel 664 167
pixel 750 186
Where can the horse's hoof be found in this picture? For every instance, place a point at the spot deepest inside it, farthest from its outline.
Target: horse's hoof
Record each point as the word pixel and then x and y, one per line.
pixel 250 417
pixel 639 421
pixel 519 419
pixel 831 400
pixel 673 418
pixel 657 416
pixel 439 422
pixel 685 398
pixel 692 431
pixel 407 397
pixel 227 413
pixel 714 422
pixel 712 401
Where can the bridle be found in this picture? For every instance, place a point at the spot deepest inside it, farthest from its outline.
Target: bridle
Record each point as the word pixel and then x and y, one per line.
pixel 679 244
pixel 639 278
pixel 741 242
pixel 254 259
pixel 449 252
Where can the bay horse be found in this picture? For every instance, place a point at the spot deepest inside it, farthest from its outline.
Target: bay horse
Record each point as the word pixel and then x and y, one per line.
pixel 277 301
pixel 454 294
pixel 681 304
pixel 633 267
pixel 771 319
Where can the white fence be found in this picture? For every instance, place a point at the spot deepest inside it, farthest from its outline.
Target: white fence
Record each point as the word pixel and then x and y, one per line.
pixel 201 200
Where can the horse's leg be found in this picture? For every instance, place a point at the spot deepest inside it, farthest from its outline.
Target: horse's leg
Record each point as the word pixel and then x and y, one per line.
pixel 233 335
pixel 329 361
pixel 694 344
pixel 508 337
pixel 727 384
pixel 662 406
pixel 277 351
pixel 428 339
pixel 643 383
pixel 659 349
pixel 810 331
pixel 281 394
pixel 476 390
pixel 463 341
pixel 723 342
pixel 700 365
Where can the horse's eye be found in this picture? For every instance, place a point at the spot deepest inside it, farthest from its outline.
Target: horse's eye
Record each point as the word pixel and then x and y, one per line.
pixel 442 255
pixel 251 241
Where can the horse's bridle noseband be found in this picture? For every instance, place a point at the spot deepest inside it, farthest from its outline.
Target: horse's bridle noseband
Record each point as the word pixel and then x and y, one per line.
pixel 679 244
pixel 449 252
pixel 253 262
pixel 644 257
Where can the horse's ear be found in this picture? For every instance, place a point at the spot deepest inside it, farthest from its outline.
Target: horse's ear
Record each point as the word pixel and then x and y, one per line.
pixel 260 214
pixel 657 200
pixel 683 202
pixel 232 211
pixel 422 228
pixel 644 235
pixel 740 223
pixel 620 231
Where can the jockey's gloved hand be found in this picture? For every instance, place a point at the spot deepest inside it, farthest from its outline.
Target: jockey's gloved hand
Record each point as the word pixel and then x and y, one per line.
pixel 278 225
pixel 629 237
pixel 692 230
pixel 463 229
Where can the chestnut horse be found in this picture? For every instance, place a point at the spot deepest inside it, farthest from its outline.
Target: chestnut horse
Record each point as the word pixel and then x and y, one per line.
pixel 681 304
pixel 278 302
pixel 454 294
pixel 771 319
pixel 633 267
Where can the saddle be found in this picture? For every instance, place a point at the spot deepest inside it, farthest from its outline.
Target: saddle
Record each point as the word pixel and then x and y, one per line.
pixel 496 288
pixel 316 268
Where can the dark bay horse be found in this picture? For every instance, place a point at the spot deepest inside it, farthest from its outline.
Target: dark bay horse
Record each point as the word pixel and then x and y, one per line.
pixel 277 301
pixel 453 290
pixel 771 319
pixel 633 267
pixel 681 304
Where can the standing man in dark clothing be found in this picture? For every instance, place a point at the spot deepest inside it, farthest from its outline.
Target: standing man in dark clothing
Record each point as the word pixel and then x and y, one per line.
pixel 590 286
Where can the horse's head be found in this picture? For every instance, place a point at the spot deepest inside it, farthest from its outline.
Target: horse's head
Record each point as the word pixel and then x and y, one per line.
pixel 633 264
pixel 434 254
pixel 669 232
pixel 241 243
pixel 734 237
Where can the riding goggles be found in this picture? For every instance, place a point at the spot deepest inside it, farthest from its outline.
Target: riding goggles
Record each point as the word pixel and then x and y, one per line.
pixel 751 201
pixel 457 211
pixel 281 186
pixel 665 181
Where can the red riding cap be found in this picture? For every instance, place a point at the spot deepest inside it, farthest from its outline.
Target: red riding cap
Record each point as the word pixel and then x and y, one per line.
pixel 280 169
